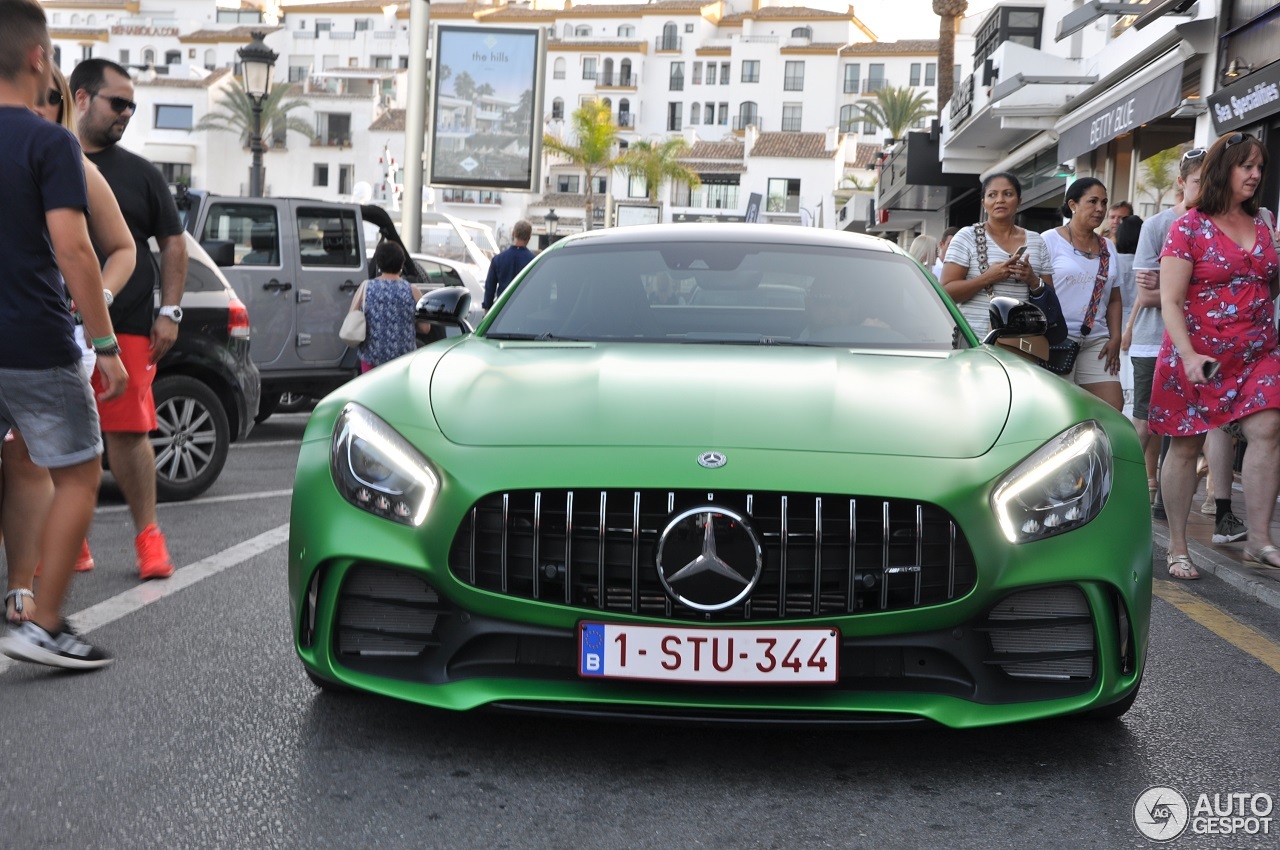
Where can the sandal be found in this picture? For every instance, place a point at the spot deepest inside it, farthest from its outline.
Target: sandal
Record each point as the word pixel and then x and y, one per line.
pixel 1180 567
pixel 1263 558
pixel 1153 487
pixel 18 615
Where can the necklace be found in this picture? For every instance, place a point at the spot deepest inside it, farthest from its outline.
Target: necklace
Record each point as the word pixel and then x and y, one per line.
pixel 1071 238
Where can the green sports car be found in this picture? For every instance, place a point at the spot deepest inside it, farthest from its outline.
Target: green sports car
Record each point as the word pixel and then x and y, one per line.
pixel 724 472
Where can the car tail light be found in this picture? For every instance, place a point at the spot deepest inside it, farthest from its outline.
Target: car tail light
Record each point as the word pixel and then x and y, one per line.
pixel 237 319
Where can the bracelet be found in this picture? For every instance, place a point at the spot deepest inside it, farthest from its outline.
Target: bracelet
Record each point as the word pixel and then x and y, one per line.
pixel 104 341
pixel 107 350
pixel 1039 290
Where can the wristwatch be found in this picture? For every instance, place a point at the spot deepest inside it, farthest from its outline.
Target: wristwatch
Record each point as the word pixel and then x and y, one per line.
pixel 173 313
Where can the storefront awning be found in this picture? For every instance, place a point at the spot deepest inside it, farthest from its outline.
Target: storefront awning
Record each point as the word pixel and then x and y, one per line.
pixel 1152 92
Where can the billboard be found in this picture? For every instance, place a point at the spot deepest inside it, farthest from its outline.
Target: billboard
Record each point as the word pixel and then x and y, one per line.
pixel 628 214
pixel 486 108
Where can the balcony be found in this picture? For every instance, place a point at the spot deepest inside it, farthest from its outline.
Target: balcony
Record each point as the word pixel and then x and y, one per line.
pixel 667 44
pixel 616 81
pixel 873 86
pixel 741 122
pixel 341 36
pixel 303 34
pixel 331 142
pixel 626 120
pixel 384 33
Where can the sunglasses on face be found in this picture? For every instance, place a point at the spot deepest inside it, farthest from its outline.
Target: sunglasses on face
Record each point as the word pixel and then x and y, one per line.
pixel 53 98
pixel 119 104
pixel 1194 154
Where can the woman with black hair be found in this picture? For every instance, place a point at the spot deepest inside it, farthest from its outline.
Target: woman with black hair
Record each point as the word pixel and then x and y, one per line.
pixel 389 303
pixel 1085 274
pixel 1219 362
pixel 1127 233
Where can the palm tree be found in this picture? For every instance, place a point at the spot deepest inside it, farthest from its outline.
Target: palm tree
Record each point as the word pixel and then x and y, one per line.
pixel 235 114
pixel 948 11
pixel 595 138
pixel 658 162
pixel 1160 174
pixel 464 86
pixel 896 109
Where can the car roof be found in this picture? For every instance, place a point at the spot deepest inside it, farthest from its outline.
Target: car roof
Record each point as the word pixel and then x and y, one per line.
pixel 732 232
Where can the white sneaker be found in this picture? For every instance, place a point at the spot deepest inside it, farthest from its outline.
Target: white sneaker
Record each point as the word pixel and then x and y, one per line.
pixel 29 642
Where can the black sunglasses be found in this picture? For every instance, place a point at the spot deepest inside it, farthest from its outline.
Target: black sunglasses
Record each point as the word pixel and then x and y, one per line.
pixel 53 98
pixel 1236 138
pixel 119 104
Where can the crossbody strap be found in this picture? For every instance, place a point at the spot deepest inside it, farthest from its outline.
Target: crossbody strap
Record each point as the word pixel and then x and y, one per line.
pixel 1099 284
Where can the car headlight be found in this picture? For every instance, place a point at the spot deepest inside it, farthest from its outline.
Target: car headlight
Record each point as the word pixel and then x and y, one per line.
pixel 377 470
pixel 1060 487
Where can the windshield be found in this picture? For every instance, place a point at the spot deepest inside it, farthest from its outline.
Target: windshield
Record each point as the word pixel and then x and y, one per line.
pixel 727 292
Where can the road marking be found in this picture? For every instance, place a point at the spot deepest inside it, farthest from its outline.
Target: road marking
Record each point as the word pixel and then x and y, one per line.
pixel 212 500
pixel 266 444
pixel 121 605
pixel 1222 624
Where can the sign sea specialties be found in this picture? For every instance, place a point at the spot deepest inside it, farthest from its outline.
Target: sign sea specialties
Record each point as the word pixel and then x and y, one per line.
pixel 1247 101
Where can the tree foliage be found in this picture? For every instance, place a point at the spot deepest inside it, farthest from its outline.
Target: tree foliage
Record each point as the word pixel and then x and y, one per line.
pixel 235 114
pixel 591 145
pixel 658 162
pixel 896 109
pixel 1160 174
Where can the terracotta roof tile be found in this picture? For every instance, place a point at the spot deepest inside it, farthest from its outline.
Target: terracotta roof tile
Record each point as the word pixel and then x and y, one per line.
pixel 715 150
pixel 244 33
pixel 77 32
pixel 793 146
pixel 864 156
pixel 598 44
pixel 589 9
pixel 569 200
pixel 888 48
pixel 391 121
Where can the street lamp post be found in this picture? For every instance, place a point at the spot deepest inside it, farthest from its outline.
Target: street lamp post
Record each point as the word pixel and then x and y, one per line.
pixel 552 221
pixel 257 62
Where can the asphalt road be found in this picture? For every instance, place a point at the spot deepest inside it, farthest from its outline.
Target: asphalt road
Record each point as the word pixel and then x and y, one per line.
pixel 206 733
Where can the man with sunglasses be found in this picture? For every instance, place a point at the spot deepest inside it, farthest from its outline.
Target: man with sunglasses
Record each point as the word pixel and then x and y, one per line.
pixel 104 102
pixel 44 246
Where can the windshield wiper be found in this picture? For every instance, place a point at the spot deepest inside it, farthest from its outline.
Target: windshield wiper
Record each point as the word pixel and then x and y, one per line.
pixel 512 336
pixel 545 336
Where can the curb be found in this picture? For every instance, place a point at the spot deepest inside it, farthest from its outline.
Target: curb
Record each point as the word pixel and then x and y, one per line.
pixel 1228 569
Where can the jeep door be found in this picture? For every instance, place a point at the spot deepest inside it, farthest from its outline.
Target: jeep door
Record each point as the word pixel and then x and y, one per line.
pixel 331 266
pixel 258 229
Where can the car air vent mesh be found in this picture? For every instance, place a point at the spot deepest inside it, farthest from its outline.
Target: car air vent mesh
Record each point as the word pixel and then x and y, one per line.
pixel 824 555
pixel 386 612
pixel 1046 633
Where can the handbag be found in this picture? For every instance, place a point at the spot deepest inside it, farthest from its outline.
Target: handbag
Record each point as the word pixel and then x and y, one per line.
pixel 1062 355
pixel 354 329
pixel 1038 349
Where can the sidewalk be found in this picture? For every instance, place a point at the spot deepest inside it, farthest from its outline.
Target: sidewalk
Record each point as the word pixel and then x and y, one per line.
pixel 1223 560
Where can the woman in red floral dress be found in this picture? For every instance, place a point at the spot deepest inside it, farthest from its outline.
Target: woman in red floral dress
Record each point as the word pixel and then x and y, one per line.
pixel 1219 362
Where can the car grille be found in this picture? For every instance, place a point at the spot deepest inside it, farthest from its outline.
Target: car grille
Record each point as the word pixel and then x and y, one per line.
pixel 823 554
pixel 386 612
pixel 1046 633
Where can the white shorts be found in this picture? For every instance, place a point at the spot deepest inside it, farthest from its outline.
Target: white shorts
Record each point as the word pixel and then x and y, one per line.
pixel 1089 369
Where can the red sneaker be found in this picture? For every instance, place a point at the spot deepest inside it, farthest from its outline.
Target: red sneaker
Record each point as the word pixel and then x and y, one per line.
pixel 84 563
pixel 153 554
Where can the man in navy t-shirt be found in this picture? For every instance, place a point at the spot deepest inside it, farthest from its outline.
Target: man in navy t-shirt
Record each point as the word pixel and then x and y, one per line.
pixel 509 263
pixel 43 391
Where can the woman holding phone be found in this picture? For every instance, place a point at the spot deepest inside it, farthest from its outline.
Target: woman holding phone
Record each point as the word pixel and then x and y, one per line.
pixel 995 257
pixel 1219 362
pixel 1086 273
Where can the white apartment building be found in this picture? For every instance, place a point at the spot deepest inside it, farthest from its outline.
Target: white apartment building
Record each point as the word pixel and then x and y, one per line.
pixel 776 86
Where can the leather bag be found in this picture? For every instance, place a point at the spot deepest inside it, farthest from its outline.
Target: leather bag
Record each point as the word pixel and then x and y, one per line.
pixel 354 329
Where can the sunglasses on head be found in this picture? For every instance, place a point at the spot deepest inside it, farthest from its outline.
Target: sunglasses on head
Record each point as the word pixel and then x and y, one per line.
pixel 1236 138
pixel 119 104
pixel 1194 154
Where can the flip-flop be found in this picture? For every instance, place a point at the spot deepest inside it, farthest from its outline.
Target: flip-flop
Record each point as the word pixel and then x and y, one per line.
pixel 1260 560
pixel 16 595
pixel 1182 563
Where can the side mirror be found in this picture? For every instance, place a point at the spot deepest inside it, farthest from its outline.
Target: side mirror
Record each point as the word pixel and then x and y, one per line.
pixel 1011 317
pixel 446 306
pixel 221 251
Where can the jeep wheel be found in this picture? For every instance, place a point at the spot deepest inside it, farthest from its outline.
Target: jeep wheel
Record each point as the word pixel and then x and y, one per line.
pixel 191 439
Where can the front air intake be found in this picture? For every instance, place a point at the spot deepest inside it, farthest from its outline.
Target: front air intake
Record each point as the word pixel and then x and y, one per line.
pixel 386 612
pixel 1045 634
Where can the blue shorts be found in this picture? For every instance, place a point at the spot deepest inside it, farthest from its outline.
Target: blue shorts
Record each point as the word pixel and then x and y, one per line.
pixel 55 411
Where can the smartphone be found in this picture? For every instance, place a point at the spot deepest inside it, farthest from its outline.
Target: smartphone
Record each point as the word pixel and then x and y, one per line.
pixel 1211 369
pixel 1017 255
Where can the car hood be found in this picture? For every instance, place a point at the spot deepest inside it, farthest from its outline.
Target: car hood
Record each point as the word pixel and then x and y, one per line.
pixel 486 393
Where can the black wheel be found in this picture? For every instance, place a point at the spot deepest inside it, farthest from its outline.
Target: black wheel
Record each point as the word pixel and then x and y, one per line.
pixel 327 686
pixel 293 402
pixel 191 440
pixel 267 405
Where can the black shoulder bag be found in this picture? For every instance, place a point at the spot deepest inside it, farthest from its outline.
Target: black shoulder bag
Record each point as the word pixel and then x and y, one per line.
pixel 1062 351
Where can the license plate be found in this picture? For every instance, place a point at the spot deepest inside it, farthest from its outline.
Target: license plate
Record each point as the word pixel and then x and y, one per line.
pixel 677 654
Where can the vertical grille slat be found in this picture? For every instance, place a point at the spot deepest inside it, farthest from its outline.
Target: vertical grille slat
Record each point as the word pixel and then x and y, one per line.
pixel 860 550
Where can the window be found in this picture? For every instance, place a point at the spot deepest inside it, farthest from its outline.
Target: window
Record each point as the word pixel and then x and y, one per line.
pixel 567 183
pixel 869 127
pixel 793 77
pixel 674 111
pixel 724 73
pixel 320 174
pixel 677 76
pixel 711 73
pixel 346 179
pixel 124 57
pixel 381 61
pixel 695 113
pixel 626 31
pixel 636 187
pixel 297 72
pixel 715 193
pixel 791 117
pixel 875 78
pixel 86 52
pixel 697 73
pixel 557 110
pixel 602 185
pixel 802 32
pixel 252 228
pixel 784 196
pixel 57 55
pixel 363 25
pixel 588 67
pixel 625 118
pixel 560 68
pixel 333 128
pixel 747 115
pixel 931 74
pixel 148 57
pixel 688 27
pixel 210 59
pixel 328 237
pixel 751 70
pixel 175 173
pixel 724 114
pixel 709 110
pixel 323 26
pixel 669 40
pixel 852 71
pixel 582 31
pixel 172 117
pixel 915 73
pixel 403 63
pixel 849 116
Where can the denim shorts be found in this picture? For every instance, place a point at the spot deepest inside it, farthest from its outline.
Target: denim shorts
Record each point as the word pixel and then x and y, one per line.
pixel 55 411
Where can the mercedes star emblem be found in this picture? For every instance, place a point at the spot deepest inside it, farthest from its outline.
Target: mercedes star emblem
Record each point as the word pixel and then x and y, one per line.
pixel 712 460
pixel 709 558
